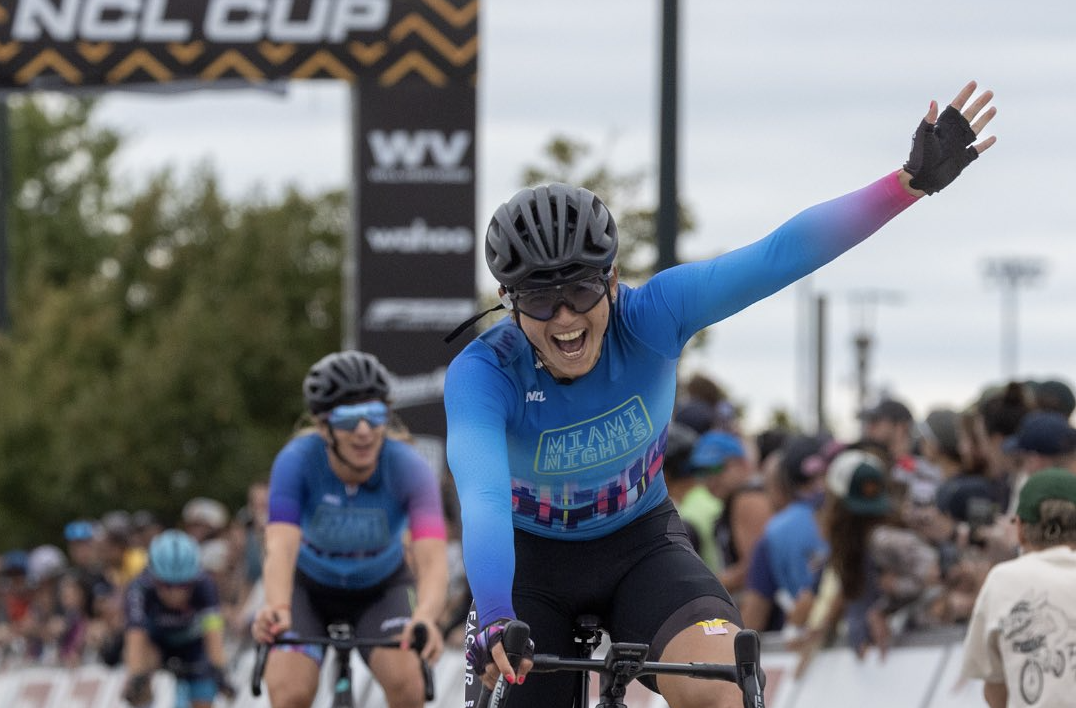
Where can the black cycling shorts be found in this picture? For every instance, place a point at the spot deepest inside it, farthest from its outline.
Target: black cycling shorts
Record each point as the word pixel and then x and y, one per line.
pixel 644 582
pixel 375 612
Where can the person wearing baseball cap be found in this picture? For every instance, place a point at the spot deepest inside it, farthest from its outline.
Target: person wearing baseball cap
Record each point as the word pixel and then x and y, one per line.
pixel 866 546
pixel 891 425
pixel 717 462
pixel 83 538
pixel 1029 602
pixel 1044 439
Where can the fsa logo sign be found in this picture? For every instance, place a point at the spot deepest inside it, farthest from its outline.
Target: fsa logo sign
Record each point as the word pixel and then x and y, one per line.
pixel 535 397
pixel 425 156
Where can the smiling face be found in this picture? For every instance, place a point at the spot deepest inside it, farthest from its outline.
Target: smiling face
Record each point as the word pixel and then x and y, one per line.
pixel 359 436
pixel 570 343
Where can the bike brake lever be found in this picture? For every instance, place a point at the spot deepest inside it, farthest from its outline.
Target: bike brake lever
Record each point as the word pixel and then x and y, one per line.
pixel 420 634
pixel 515 637
pixel 260 657
pixel 749 673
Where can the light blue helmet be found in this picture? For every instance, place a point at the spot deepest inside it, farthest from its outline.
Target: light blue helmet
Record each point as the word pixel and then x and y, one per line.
pixel 173 557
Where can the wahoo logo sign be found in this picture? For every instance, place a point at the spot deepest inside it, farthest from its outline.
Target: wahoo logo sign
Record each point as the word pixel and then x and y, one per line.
pixel 419 156
pixel 223 21
pixel 420 237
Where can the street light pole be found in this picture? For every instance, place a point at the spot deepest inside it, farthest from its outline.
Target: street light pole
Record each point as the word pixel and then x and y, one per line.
pixel 668 217
pixel 864 302
pixel 1011 274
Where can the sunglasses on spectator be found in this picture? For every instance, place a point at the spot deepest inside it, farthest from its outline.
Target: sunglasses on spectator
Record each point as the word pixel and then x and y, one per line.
pixel 579 296
pixel 375 413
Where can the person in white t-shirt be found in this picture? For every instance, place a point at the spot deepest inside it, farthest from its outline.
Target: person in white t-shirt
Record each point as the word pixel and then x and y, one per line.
pixel 1024 621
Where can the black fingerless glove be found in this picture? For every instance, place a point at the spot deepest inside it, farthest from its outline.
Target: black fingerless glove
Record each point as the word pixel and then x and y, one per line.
pixel 940 151
pixel 480 651
pixel 138 691
pixel 224 686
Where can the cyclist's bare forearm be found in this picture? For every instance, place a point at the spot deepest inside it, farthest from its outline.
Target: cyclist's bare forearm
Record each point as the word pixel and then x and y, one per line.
pixel 214 647
pixel 431 578
pixel 138 653
pixel 281 551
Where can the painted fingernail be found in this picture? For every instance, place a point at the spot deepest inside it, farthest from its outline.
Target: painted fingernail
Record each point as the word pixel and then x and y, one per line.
pixel 511 679
pixel 521 678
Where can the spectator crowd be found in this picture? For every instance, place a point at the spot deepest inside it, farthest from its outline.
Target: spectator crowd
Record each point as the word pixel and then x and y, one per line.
pixel 819 539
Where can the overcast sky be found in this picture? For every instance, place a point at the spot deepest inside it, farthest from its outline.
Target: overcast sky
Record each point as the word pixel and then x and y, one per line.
pixel 783 104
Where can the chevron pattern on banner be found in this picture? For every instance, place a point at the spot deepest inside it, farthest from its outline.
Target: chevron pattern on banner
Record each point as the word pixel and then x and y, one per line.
pixel 57 44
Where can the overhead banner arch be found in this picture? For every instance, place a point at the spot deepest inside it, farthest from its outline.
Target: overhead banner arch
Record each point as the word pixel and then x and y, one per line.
pixel 56 44
pixel 413 67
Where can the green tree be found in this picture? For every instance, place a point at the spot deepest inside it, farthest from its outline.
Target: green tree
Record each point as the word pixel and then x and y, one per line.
pixel 159 337
pixel 62 194
pixel 568 160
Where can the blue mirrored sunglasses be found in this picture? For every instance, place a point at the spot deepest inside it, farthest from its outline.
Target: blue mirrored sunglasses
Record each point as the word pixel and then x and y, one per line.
pixel 375 413
pixel 580 296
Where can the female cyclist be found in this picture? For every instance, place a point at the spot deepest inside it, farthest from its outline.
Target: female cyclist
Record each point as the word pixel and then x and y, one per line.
pixel 558 418
pixel 341 497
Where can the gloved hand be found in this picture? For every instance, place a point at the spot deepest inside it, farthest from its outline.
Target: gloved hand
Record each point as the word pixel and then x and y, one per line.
pixel 138 690
pixel 940 151
pixel 224 686
pixel 480 652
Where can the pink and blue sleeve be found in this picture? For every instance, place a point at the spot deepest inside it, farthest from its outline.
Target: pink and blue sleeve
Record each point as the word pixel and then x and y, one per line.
pixel 477 399
pixel 425 512
pixel 695 295
pixel 286 485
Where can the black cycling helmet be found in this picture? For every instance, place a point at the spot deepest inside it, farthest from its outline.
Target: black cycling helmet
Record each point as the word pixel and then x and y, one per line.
pixel 343 377
pixel 548 235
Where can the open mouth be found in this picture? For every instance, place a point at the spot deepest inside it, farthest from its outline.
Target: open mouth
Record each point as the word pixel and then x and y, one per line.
pixel 571 344
pixel 361 449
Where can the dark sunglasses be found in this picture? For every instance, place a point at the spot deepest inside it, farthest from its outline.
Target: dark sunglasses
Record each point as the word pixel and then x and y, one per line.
pixel 187 585
pixel 580 296
pixel 375 413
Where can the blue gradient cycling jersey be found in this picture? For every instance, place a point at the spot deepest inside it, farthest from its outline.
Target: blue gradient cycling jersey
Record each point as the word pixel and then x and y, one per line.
pixel 581 460
pixel 352 536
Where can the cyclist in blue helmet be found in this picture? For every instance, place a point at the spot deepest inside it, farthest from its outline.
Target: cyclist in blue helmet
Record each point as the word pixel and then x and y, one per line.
pixel 173 621
pixel 558 418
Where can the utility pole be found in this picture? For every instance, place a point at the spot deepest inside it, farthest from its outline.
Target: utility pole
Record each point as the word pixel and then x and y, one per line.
pixel 864 304
pixel 820 328
pixel 1011 274
pixel 668 218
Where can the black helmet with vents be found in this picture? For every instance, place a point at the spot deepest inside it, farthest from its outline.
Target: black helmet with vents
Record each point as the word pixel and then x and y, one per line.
pixel 344 377
pixel 550 234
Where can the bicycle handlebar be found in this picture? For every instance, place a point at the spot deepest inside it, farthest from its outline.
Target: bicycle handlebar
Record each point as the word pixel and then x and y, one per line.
pixel 624 662
pixel 420 635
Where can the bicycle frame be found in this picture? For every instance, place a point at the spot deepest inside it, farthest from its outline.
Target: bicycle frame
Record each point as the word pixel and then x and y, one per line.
pixel 624 662
pixel 341 640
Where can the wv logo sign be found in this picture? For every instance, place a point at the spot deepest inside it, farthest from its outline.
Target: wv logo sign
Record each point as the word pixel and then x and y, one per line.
pixel 419 156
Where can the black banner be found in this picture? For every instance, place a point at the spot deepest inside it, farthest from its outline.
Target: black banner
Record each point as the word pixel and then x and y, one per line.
pixel 416 216
pixel 52 44
pixel 414 64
